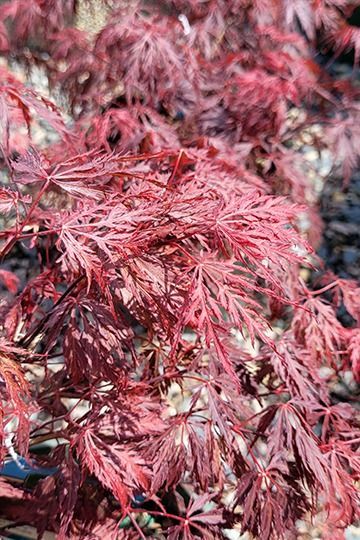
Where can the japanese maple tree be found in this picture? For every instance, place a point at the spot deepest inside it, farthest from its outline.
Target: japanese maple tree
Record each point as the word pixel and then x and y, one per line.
pixel 172 217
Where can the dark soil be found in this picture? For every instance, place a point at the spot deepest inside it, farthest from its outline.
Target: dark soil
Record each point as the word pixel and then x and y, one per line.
pixel 340 209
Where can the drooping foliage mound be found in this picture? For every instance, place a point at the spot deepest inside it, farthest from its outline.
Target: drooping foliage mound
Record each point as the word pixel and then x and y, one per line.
pixel 166 344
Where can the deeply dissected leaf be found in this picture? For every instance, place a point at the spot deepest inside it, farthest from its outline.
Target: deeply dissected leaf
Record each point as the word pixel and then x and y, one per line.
pixel 118 468
pixel 159 338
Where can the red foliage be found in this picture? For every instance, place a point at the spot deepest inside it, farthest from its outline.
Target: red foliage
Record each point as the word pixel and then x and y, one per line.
pixel 165 222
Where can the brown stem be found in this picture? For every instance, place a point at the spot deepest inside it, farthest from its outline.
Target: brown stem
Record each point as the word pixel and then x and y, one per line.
pixel 11 243
pixel 26 340
pixel 48 437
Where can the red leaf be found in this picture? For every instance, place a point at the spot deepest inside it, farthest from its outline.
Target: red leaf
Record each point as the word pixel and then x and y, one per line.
pixel 10 280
